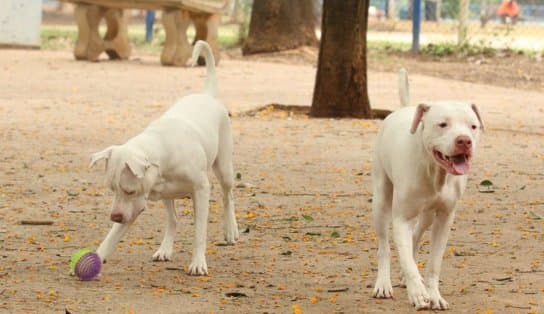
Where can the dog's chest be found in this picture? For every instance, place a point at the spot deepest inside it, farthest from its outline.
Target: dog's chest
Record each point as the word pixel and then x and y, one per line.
pixel 447 194
pixel 170 190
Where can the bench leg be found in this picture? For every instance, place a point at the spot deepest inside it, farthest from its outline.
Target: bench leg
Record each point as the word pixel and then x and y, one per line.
pixel 201 30
pixel 213 26
pixel 96 45
pixel 206 26
pixel 176 49
pixel 117 44
pixel 89 44
pixel 83 32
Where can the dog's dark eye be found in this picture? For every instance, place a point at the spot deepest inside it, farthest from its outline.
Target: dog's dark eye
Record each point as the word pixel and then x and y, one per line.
pixel 443 125
pixel 474 127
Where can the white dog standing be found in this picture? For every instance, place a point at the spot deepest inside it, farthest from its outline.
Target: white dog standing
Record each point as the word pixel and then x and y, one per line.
pixel 170 159
pixel 421 160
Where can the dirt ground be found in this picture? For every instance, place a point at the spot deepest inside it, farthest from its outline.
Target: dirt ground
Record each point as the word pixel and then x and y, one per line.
pixel 504 68
pixel 307 242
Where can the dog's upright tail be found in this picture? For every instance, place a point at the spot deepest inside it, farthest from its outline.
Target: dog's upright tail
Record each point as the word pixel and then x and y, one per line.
pixel 210 87
pixel 404 88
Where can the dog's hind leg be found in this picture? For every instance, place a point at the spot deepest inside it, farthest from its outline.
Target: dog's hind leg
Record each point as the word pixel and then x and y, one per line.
pixel 381 211
pixel 425 219
pixel 222 168
pixel 201 205
pixel 164 253
pixel 405 211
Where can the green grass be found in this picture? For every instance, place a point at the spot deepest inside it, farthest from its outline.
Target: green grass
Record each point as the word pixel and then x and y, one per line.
pixel 442 50
pixel 437 50
pixel 483 48
pixel 58 37
pixel 388 46
pixel 61 37
pixel 465 50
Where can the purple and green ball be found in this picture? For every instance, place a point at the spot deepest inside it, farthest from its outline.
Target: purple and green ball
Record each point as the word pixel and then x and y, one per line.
pixel 86 264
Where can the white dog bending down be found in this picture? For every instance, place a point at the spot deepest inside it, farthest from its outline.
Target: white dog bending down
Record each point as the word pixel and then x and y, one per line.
pixel 420 166
pixel 169 160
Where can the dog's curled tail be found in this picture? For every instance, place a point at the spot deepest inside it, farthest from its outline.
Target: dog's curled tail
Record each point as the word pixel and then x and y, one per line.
pixel 210 87
pixel 404 88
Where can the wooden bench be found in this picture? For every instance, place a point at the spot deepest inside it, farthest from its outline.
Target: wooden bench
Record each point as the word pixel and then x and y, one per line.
pixel 177 16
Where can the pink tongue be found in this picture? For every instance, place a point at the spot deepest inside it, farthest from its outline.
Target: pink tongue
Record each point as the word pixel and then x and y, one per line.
pixel 461 168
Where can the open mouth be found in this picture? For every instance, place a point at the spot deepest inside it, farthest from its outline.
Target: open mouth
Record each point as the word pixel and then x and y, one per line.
pixel 458 164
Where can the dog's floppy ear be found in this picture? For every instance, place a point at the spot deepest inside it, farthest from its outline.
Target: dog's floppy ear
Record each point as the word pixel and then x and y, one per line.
pixel 138 166
pixel 420 110
pixel 475 109
pixel 105 154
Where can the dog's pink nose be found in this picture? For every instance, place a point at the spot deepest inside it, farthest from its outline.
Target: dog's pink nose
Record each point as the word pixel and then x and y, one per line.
pixel 463 141
pixel 116 217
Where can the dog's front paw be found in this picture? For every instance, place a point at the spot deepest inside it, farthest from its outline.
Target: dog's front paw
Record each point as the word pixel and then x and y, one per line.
pixel 383 288
pixel 101 254
pixel 417 294
pixel 198 267
pixel 436 300
pixel 231 232
pixel 402 282
pixel 162 254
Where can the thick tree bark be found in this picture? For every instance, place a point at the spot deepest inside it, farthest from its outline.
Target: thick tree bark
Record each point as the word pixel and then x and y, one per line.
pixel 280 25
pixel 432 10
pixel 341 81
pixel 391 9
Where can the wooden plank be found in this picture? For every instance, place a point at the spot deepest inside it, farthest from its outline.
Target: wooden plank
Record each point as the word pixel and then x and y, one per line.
pixel 18 46
pixel 205 6
pixel 37 222
pixel 210 6
pixel 130 4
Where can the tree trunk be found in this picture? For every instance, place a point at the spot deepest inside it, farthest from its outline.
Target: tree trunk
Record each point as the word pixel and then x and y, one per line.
pixel 463 21
pixel 280 25
pixel 391 10
pixel 234 16
pixel 432 10
pixel 484 13
pixel 341 82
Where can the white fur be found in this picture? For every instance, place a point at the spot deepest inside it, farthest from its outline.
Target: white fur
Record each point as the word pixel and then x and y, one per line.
pixel 169 160
pixel 414 191
pixel 404 88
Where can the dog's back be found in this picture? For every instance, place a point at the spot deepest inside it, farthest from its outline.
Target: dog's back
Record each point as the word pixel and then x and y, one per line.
pixel 200 112
pixel 395 130
pixel 394 140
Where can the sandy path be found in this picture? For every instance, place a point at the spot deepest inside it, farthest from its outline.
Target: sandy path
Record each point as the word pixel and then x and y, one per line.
pixel 55 112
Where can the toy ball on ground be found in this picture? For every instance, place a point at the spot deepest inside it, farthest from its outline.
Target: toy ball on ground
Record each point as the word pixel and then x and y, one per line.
pixel 85 264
